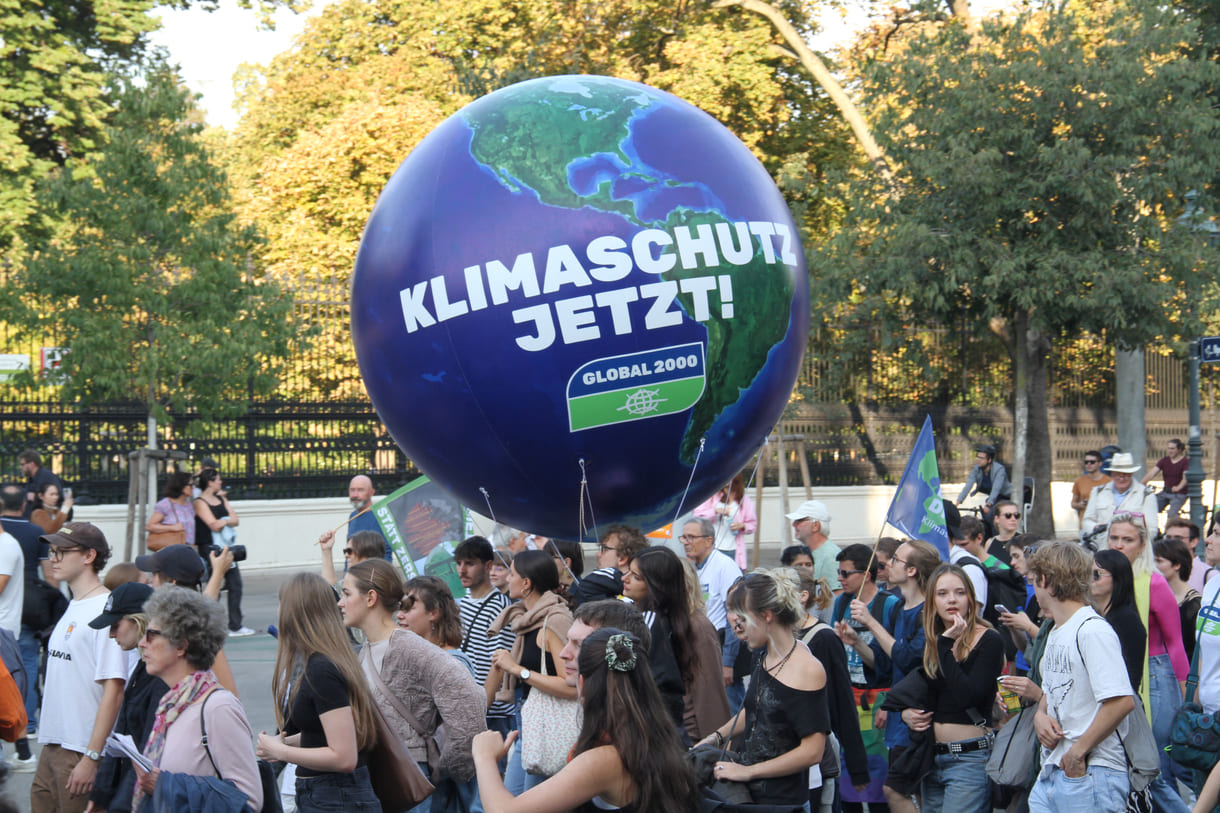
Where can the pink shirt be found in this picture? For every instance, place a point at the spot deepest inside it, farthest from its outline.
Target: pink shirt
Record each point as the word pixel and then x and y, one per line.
pixel 1165 625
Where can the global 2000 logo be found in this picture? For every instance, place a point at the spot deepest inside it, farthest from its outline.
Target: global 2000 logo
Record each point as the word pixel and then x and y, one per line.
pixel 635 386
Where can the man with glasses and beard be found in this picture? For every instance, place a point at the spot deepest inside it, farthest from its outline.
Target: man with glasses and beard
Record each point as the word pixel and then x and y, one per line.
pixel 86 672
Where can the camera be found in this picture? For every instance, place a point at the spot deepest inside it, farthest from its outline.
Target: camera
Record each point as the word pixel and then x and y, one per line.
pixel 239 551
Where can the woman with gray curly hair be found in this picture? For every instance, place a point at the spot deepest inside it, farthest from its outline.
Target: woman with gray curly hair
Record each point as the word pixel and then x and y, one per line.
pixel 185 632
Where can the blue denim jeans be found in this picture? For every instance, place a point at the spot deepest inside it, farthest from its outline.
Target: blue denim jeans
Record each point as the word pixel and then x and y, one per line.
pixel 1166 698
pixel 30 648
pixel 337 793
pixel 958 784
pixel 1100 789
pixel 515 778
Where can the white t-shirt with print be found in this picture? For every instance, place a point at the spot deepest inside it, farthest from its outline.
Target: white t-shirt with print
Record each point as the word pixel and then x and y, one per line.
pixel 1207 635
pixel 78 658
pixel 12 564
pixel 1074 691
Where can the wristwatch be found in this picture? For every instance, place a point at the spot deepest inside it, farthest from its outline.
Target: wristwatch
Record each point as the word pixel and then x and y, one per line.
pixel 525 675
pixel 93 755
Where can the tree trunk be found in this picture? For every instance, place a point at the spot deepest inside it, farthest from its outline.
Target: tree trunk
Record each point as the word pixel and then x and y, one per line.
pixel 812 63
pixel 1038 442
pixel 1130 383
pixel 1020 418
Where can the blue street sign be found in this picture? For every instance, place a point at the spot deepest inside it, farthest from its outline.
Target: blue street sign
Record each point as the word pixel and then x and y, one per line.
pixel 1209 349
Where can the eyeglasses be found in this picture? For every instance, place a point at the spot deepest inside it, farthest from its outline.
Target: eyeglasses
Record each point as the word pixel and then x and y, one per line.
pixel 689 538
pixel 57 554
pixel 348 551
pixel 604 548
pixel 1098 575
pixel 894 560
pixel 151 634
pixel 1010 515
pixel 843 574
pixel 1089 462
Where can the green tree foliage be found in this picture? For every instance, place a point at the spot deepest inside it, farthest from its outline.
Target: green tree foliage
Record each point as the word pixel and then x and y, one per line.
pixel 150 282
pixel 331 119
pixel 1040 166
pixel 55 59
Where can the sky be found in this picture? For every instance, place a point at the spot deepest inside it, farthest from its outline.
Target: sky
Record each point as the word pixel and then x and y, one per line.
pixel 210 45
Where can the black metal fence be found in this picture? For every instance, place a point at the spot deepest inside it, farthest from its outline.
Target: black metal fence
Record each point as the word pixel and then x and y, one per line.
pixel 277 450
pixel 859 423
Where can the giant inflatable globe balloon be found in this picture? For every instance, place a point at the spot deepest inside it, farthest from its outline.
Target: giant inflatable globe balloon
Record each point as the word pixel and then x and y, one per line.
pixel 580 270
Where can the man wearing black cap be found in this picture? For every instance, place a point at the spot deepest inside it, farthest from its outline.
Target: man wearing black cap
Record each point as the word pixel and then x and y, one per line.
pixel 86 672
pixel 181 565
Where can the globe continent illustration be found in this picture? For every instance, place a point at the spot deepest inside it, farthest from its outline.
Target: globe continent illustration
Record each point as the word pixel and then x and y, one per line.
pixel 580 276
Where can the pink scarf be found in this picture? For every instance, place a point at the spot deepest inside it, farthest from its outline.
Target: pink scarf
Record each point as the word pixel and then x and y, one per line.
pixel 191 688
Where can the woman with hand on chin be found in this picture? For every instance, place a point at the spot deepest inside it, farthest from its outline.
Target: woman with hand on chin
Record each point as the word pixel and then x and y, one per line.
pixel 962 660
pixel 622 760
pixel 785 718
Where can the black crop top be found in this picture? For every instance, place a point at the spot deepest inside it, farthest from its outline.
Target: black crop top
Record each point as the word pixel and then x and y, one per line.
pixel 971 683
pixel 531 659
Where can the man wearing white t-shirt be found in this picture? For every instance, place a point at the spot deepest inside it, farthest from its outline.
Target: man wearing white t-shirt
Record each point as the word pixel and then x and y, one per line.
pixel 12 583
pixel 86 672
pixel 1086 694
pixel 717 573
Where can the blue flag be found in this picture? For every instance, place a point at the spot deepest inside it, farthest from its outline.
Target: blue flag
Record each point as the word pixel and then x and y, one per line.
pixel 917 509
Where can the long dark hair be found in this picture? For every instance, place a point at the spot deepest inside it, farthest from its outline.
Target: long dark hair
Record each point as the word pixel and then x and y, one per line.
pixel 1122 591
pixel 622 709
pixel 666 580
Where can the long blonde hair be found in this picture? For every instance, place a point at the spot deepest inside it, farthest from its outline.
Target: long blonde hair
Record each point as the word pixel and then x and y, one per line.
pixel 310 623
pixel 933 626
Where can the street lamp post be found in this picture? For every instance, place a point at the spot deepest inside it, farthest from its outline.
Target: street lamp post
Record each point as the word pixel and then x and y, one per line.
pixel 1194 469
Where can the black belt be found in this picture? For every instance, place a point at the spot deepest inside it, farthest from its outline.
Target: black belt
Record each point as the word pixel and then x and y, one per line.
pixel 963 746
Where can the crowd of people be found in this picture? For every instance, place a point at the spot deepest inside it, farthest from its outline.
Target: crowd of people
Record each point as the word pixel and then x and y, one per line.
pixel 842 678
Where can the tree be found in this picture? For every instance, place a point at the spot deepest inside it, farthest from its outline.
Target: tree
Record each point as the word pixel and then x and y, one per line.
pixel 55 60
pixel 150 282
pixel 331 119
pixel 1040 166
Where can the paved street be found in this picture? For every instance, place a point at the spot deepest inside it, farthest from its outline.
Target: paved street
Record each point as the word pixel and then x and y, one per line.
pixel 252 660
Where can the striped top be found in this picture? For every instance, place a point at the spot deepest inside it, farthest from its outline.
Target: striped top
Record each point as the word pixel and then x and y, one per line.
pixel 477 615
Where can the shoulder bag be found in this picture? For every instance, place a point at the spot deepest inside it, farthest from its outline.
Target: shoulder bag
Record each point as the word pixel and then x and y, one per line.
pixel 266 774
pixel 397 779
pixel 550 726
pixel 1194 737
pixel 1015 752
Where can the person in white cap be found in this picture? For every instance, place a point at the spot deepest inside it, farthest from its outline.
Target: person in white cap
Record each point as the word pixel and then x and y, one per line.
pixel 1122 493
pixel 811 524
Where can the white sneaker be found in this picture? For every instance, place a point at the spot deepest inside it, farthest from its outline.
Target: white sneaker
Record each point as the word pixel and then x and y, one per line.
pixel 241 633
pixel 27 765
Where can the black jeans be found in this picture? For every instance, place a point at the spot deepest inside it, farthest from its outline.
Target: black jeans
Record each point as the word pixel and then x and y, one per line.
pixel 234 587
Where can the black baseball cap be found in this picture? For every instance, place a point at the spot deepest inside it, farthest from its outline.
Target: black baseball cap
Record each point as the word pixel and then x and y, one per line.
pixel 179 563
pixel 126 599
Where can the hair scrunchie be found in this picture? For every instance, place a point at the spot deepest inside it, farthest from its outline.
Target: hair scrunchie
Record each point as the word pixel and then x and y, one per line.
pixel 620 662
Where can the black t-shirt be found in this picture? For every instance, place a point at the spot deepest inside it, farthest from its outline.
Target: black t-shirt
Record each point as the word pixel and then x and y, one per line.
pixel 778 717
pixel 1132 638
pixel 323 689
